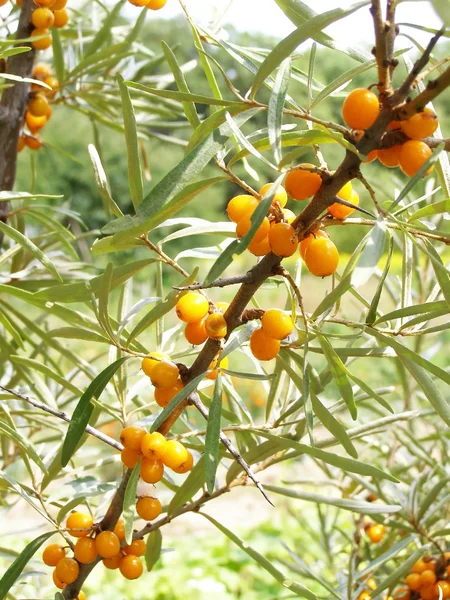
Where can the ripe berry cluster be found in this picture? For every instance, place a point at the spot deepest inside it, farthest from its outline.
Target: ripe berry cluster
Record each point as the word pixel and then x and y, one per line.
pixel 151 4
pixel 360 110
pixel 39 109
pixel 429 579
pixel 51 13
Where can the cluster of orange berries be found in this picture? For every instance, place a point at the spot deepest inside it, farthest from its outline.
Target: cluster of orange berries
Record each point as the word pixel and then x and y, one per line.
pixel 276 233
pixel 151 4
pixel 156 453
pixel 39 109
pixel 92 545
pixel 360 110
pixel 51 13
pixel 429 579
pixel 276 325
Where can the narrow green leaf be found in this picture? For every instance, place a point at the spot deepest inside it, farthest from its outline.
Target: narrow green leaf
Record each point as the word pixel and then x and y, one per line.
pixel 416 309
pixel 76 333
pixel 370 256
pixel 104 33
pixel 101 181
pixel 23 443
pixel 153 549
pixel 129 502
pixel 431 497
pixel 34 364
pixel 370 392
pixel 289 44
pixel 176 400
pixel 134 161
pixel 84 409
pixel 339 372
pixel 276 105
pixel 212 439
pixel 442 274
pixel 11 329
pixel 188 107
pixel 330 299
pixel 333 425
pixel 266 564
pixel 189 487
pixel 435 208
pixel 36 252
pixel 212 122
pixel 58 55
pixel 346 464
pixel 372 312
pixel 357 506
pixel 182 96
pixel 81 292
pixel 13 572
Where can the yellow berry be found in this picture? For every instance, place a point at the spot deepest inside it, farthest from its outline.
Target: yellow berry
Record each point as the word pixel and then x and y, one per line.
pixel 243 227
pixel 277 324
pixel 67 570
pixel 390 157
pixel 303 246
pixel 195 333
pixel 300 184
pixel 137 547
pixel 130 458
pixel 131 567
pixel 260 248
pixel 376 533
pixel 152 470
pixel 107 544
pixel 85 550
pixel 61 18
pixel 148 508
pixel 340 211
pixel 241 206
pixel 79 524
pixel 192 307
pixel 321 257
pixel 421 125
pixel 52 554
pixel 413 155
pixel 38 106
pixel 165 374
pixel 131 437
pixel 283 240
pixel 42 18
pixel 153 445
pixel 280 194
pixel 216 326
pixel 175 454
pixel 164 395
pixel 360 109
pixel 44 42
pixel 113 562
pixel 262 346
pixel 150 362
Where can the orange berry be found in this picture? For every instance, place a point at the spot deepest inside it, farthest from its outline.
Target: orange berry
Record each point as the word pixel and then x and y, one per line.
pixel 395 126
pixel 119 530
pixel 373 155
pixel 34 123
pixel 241 206
pixel 150 362
pixel 130 458
pixel 288 215
pixel 427 578
pixel 164 395
pixel 153 445
pixel 131 437
pixel 413 581
pixel 282 239
pixel 321 257
pixel 421 125
pixel 148 508
pixel 85 550
pixel 244 225
pixel 41 72
pixel 345 193
pixel 280 195
pixel 107 544
pixel 403 594
pixel 365 595
pixel 413 155
pixel 61 18
pixel 371 584
pixel 79 524
pixel 21 143
pixel 137 547
pixel 152 470
pixel 420 566
pixel 212 367
pixel 38 106
pixel 59 584
pixel 430 592
pixel 138 2
pixel 44 3
pixel 165 374
pixel 53 554
pixel 67 570
pixel 195 333
pixel 42 18
pixel 277 324
pixel 260 248
pixel 54 84
pixel 175 454
pixel 113 562
pixel 81 596
pixel 262 346
pixel 33 142
pixel 301 185
pixel 340 211
pixel 59 4
pixel 360 109
pixel 44 42
pixel 186 466
pixel 216 326
pixel 308 239
pixel 192 307
pixel 390 157
pixel 376 533
pixel 222 307
pixel 445 588
pixel 131 567
pixel 156 4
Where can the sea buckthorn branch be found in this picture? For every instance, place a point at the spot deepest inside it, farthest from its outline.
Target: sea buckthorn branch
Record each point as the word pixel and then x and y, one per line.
pixel 165 257
pixel 392 33
pixel 64 417
pixel 432 90
pixel 13 104
pixel 218 283
pixel 381 50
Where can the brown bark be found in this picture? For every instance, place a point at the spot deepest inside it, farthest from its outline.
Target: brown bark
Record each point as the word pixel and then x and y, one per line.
pixel 12 108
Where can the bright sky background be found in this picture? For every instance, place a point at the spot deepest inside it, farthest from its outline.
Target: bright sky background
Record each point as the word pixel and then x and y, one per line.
pixel 265 16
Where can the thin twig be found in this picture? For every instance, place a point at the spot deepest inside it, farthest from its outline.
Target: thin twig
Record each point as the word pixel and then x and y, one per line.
pixel 381 51
pixel 371 191
pixel 166 258
pixel 218 283
pixel 63 416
